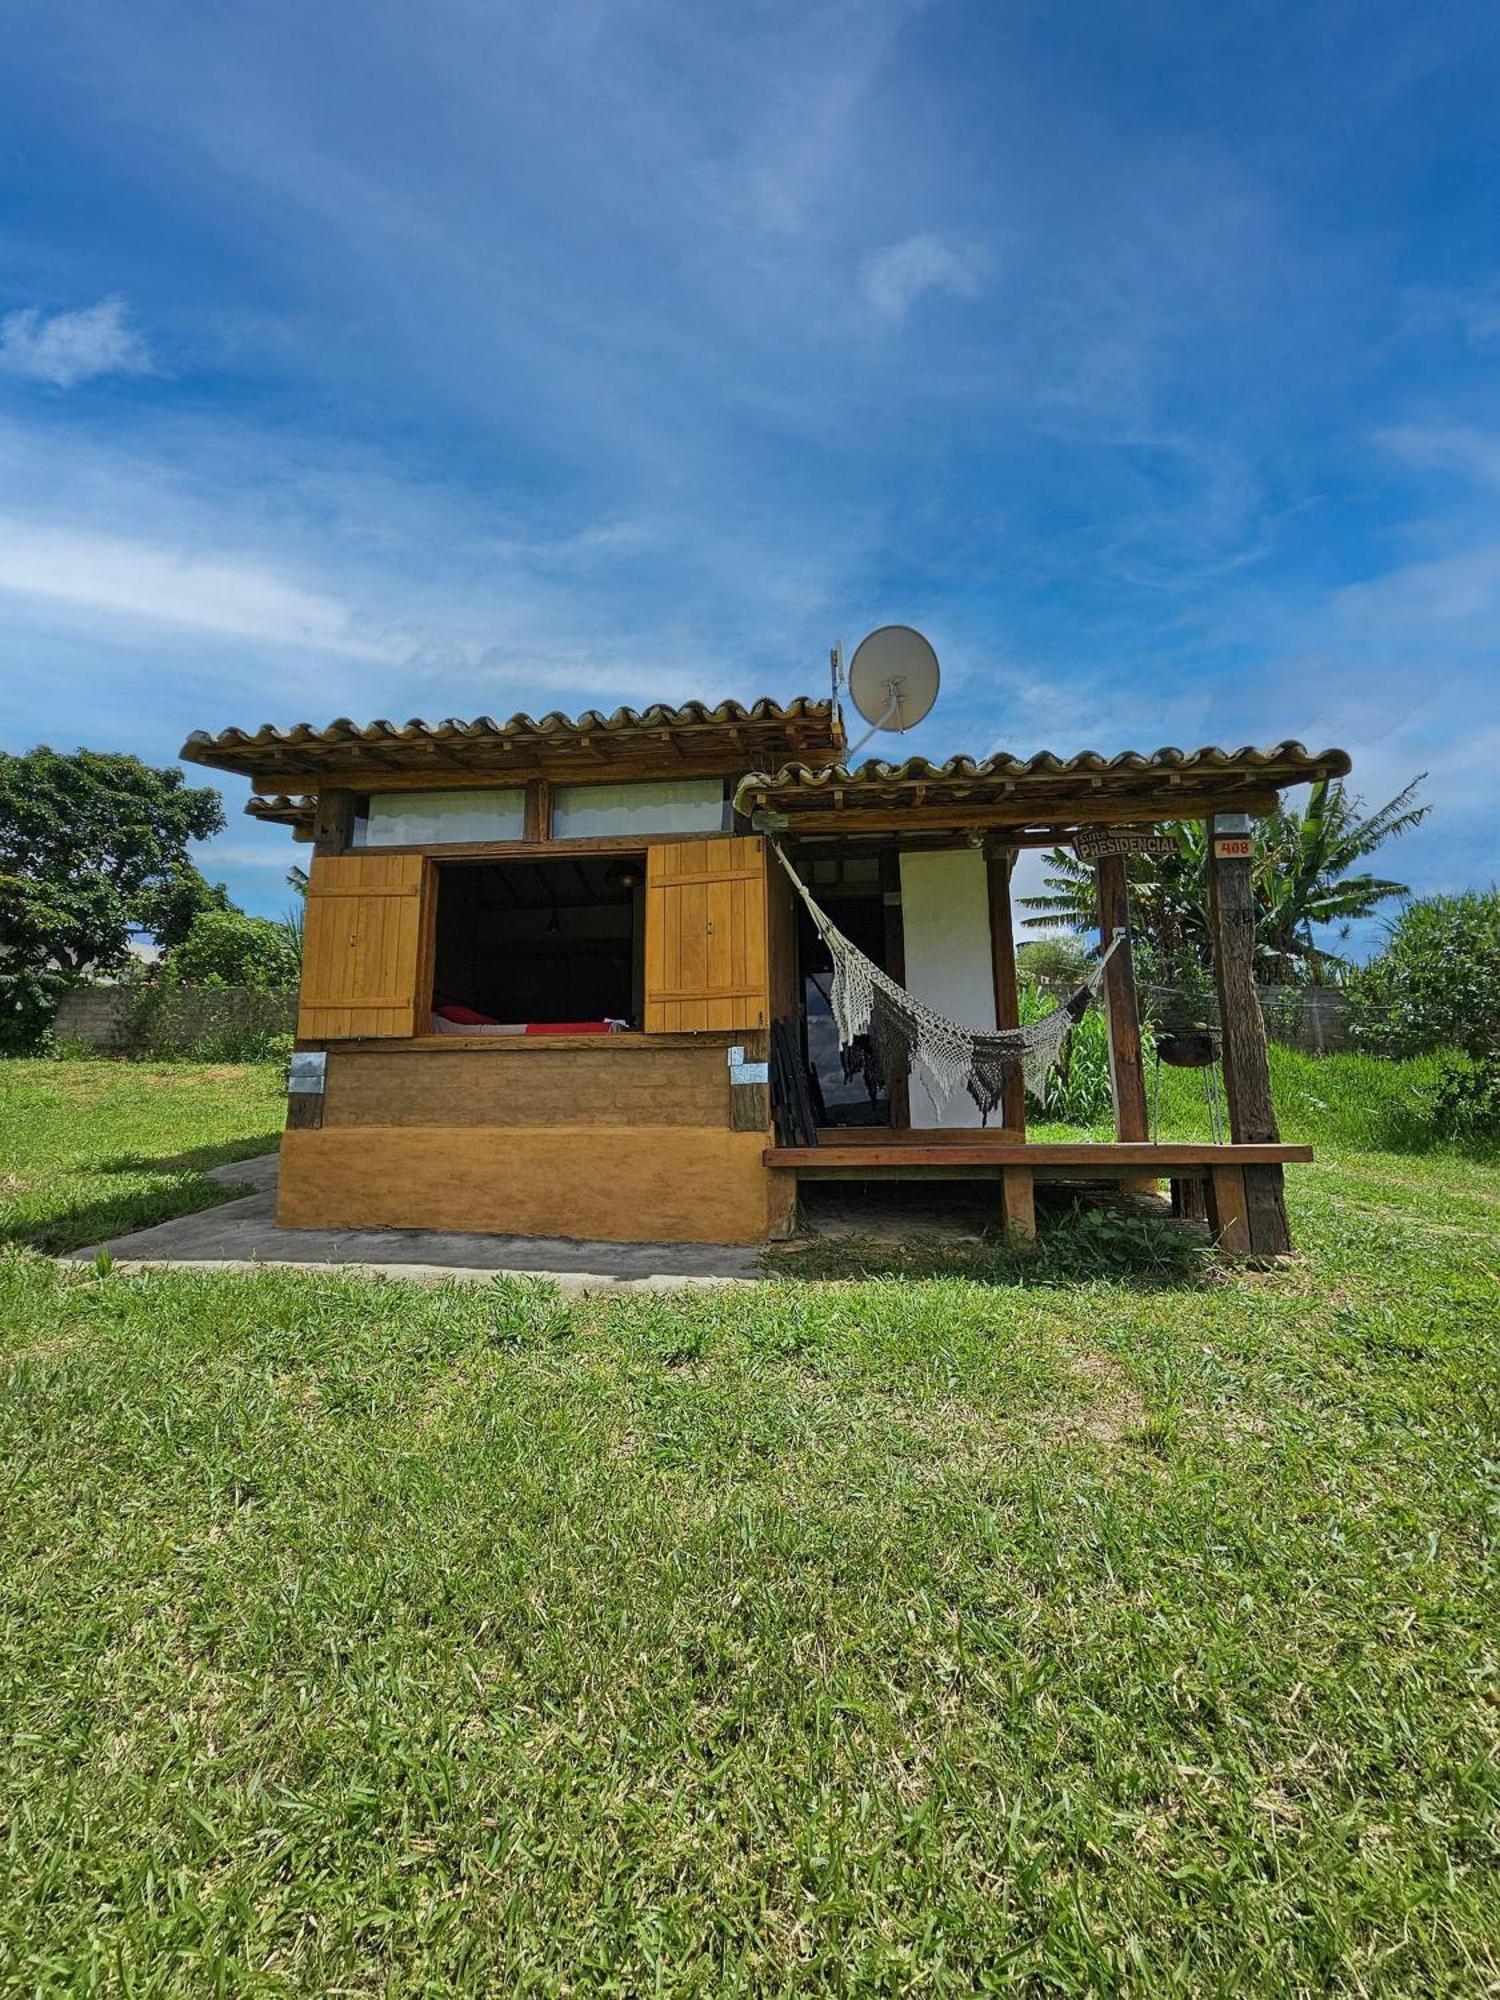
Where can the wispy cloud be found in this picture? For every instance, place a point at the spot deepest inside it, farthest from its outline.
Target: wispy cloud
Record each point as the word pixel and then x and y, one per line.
pixel 897 276
pixel 166 586
pixel 66 348
pixel 561 404
pixel 1451 447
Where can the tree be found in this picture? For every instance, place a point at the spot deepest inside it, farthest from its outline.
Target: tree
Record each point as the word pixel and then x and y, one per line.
pixel 1300 875
pixel 93 847
pixel 1053 961
pixel 1305 881
pixel 228 948
pixel 1436 984
pixel 169 913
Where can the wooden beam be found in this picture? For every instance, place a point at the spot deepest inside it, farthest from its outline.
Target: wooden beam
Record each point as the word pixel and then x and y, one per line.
pixel 1126 1075
pixel 492 764
pixel 333 822
pixel 1022 809
pixel 1247 1066
pixel 933 1149
pixel 998 866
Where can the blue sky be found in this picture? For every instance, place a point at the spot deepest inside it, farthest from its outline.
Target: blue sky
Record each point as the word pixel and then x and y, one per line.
pixel 462 358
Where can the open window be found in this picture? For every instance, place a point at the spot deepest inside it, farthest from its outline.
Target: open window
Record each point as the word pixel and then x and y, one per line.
pixel 525 946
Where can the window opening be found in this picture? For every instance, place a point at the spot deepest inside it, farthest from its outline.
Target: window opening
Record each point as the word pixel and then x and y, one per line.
pixel 526 946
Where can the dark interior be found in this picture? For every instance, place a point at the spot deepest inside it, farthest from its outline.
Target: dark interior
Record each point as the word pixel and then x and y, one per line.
pixel 843 1090
pixel 554 940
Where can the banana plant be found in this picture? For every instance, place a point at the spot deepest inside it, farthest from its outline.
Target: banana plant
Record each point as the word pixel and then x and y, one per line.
pixel 1301 874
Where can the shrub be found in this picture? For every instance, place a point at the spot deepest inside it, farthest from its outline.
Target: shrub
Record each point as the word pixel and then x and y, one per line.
pixel 1054 961
pixel 219 1024
pixel 1466 1099
pixel 227 948
pixel 1437 982
pixel 1077 1092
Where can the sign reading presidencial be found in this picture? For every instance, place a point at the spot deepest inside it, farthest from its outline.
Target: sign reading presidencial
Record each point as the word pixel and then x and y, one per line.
pixel 1092 843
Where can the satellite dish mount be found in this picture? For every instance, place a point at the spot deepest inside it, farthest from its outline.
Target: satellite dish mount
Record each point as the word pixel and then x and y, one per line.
pixel 893 681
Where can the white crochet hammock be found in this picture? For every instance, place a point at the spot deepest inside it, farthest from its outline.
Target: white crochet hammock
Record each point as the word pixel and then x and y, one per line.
pixel 905 1035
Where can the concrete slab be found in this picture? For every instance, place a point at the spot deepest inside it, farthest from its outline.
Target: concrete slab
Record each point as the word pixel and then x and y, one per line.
pixel 259 1173
pixel 242 1235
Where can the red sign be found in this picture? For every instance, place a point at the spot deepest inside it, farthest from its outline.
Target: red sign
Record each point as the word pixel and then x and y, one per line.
pixel 1233 847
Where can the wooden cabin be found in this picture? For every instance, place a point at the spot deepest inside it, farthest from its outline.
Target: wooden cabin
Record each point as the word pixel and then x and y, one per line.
pixel 543 959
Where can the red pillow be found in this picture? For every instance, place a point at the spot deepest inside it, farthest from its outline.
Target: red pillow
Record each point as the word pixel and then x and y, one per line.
pixel 465 1016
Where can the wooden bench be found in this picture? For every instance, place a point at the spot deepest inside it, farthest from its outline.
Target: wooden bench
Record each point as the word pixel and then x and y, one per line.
pixel 1019 1164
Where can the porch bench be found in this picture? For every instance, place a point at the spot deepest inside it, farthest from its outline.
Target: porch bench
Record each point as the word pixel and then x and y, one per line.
pixel 1019 1164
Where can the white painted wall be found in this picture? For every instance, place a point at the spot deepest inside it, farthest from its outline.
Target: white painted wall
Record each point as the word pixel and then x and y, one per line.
pixel 945 914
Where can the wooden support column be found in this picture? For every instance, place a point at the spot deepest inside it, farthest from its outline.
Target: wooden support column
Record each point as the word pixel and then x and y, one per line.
pixel 1228 1207
pixel 1126 1075
pixel 781 1204
pixel 895 964
pixel 333 822
pixel 999 865
pixel 537 822
pixel 1247 1067
pixel 1018 1203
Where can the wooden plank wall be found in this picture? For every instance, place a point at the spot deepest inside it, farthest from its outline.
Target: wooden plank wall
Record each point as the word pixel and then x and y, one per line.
pixel 706 961
pixel 367 948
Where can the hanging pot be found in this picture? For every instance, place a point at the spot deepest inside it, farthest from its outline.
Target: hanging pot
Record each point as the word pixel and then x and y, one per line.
pixel 1194 1049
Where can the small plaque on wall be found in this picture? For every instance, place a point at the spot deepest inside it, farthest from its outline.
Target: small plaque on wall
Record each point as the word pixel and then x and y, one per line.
pixel 1093 843
pixel 306 1073
pixel 1233 847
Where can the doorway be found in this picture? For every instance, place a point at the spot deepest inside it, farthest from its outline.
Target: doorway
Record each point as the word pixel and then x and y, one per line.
pixel 861 893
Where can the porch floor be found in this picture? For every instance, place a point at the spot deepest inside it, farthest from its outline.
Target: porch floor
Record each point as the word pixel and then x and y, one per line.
pixel 872 1150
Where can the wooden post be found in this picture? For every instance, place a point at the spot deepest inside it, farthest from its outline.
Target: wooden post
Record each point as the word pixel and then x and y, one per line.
pixel 1228 1208
pixel 1126 1075
pixel 895 965
pixel 1018 1203
pixel 333 822
pixel 998 865
pixel 781 1204
pixel 1247 1067
pixel 537 823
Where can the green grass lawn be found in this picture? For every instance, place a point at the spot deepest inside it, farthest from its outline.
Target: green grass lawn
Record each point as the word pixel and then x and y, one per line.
pixel 1130 1635
pixel 90 1150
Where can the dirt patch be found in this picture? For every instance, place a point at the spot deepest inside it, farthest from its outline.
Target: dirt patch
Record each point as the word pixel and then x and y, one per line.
pixel 1114 1411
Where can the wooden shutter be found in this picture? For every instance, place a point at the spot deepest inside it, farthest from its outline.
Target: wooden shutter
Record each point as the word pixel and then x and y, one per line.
pixel 367 948
pixel 706 935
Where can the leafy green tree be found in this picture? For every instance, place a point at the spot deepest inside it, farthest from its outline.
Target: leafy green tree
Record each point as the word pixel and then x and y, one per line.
pixel 1303 876
pixel 1436 984
pixel 93 848
pixel 228 948
pixel 1053 961
pixel 170 912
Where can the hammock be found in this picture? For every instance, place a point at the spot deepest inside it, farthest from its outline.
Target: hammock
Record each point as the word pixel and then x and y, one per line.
pixel 905 1035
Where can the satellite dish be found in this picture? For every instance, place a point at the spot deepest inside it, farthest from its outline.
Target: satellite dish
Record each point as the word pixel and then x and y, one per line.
pixel 893 680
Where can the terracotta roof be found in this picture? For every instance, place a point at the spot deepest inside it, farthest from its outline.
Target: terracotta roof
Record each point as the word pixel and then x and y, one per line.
pixel 762 730
pixel 280 810
pixel 1043 781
